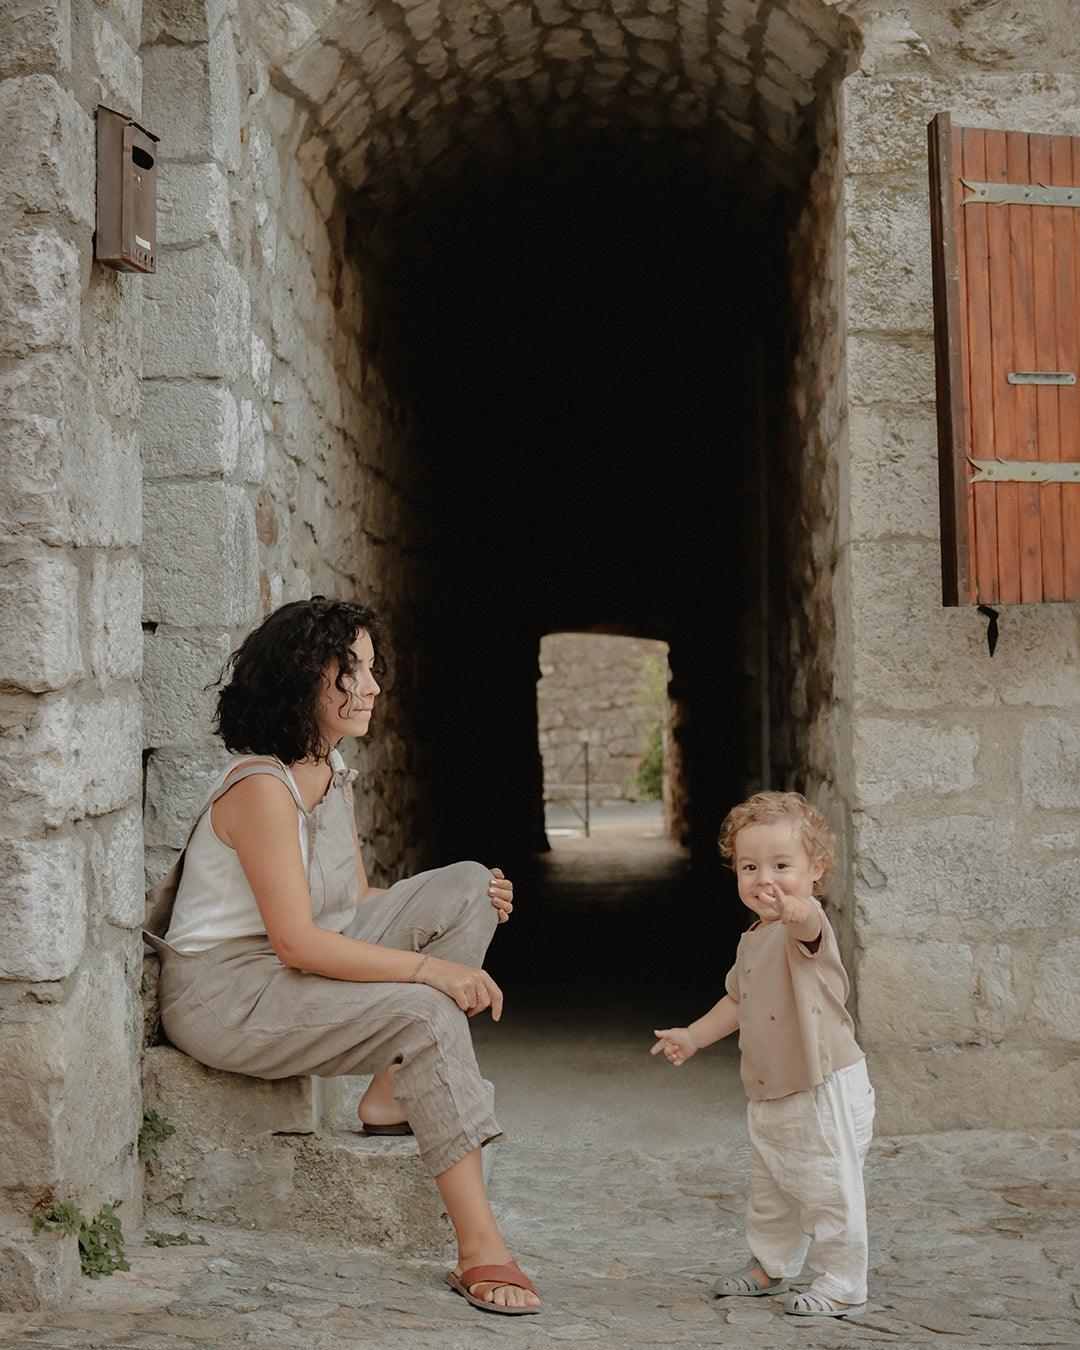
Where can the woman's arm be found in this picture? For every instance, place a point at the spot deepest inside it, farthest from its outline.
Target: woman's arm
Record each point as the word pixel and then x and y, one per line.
pixel 258 819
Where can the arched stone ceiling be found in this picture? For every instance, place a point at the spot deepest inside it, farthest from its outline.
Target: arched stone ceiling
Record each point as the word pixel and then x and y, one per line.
pixel 410 93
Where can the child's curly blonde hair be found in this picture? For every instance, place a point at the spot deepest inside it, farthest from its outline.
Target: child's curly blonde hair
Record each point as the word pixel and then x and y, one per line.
pixel 766 808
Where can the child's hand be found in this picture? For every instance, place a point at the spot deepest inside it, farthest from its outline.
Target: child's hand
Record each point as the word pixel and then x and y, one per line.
pixel 786 908
pixel 676 1043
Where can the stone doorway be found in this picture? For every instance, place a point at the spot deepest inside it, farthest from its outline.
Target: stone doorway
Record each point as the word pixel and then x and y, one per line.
pixel 543 335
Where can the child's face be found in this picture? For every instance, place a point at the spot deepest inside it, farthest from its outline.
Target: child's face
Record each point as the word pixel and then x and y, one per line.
pixel 773 855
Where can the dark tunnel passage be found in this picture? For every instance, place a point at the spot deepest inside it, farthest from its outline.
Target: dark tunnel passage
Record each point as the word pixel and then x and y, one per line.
pixel 580 345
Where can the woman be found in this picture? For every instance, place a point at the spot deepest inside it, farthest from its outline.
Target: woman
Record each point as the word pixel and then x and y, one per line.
pixel 278 958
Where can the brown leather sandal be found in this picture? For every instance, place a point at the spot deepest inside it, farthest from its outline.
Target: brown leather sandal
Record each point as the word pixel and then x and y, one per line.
pixel 510 1273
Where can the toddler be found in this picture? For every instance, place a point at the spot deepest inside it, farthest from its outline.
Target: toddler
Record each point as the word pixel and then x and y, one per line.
pixel 811 1108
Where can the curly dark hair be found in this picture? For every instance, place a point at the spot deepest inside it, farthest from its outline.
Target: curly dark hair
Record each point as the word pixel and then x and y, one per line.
pixel 267 706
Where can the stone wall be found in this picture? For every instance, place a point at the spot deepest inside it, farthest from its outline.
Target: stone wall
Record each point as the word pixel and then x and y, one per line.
pixel 70 644
pixel 593 688
pixel 960 781
pixel 277 464
pixel 275 467
pixel 810 709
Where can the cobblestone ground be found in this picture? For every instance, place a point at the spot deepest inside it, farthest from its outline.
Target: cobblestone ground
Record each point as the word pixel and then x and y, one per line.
pixel 974 1237
pixel 621 1189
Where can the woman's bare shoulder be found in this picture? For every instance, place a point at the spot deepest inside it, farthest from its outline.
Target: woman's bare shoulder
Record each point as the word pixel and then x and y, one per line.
pixel 259 802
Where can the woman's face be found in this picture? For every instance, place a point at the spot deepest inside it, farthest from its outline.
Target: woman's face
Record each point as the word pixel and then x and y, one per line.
pixel 349 713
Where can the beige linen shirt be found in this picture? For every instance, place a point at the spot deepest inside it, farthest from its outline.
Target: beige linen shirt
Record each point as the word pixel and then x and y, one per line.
pixel 793 1027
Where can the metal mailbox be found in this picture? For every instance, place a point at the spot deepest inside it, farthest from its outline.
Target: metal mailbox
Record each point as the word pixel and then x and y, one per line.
pixel 126 235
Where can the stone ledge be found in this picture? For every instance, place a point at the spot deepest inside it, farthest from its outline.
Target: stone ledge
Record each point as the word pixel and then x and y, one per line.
pixel 261 1154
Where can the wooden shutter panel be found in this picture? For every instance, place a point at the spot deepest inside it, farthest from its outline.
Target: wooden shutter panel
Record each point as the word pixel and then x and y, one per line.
pixel 1006 283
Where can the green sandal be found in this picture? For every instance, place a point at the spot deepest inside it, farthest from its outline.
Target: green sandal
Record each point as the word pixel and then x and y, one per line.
pixel 741 1284
pixel 811 1304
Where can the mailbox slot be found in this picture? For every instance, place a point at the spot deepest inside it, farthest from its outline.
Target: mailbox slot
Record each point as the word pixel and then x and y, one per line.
pixel 126 236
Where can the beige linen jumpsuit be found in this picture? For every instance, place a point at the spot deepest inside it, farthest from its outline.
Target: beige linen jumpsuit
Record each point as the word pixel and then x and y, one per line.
pixel 234 1006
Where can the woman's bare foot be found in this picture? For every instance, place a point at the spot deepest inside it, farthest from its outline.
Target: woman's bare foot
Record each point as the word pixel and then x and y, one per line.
pixel 378 1105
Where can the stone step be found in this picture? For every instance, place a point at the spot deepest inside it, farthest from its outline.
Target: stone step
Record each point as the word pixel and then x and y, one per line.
pixel 285 1155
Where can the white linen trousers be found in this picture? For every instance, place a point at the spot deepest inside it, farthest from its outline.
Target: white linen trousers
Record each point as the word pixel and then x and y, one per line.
pixel 806 1183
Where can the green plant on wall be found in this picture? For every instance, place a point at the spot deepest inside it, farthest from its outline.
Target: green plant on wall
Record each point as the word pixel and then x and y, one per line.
pixel 154 1238
pixel 101 1240
pixel 152 1134
pixel 648 781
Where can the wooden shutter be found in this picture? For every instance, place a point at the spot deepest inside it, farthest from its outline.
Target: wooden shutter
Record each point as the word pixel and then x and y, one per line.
pixel 1006 257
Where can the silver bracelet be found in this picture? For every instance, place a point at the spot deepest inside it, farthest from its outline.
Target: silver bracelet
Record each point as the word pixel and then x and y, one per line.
pixel 423 962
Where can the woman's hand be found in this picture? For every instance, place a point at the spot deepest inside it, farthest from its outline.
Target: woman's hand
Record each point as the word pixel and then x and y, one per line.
pixel 501 891
pixel 471 989
pixel 676 1044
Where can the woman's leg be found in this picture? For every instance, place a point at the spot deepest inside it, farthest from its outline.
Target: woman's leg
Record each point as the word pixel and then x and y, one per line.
pixel 478 1238
pixel 446 912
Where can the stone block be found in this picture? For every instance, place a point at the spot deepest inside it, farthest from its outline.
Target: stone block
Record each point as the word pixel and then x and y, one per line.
pixel 887 253
pixel 114 621
pixel 975 1087
pixel 42 907
pixel 37 1270
pixel 105 485
pixel 196 316
pixel 37 35
pixel 893 474
pixel 48 164
pixel 996 989
pixel 73 478
pixel 178 668
pixel 182 21
pixel 884 120
pixel 909 652
pixel 338 1099
pixel 227 1107
pixel 374 1192
pixel 117 71
pixel 1056 1000
pixel 895 758
pixel 39 292
pixel 315 71
pixel 115 851
pixel 193 90
pixel 890 369
pixel 1049 759
pixel 916 991
pixel 72 1114
pixel 939 875
pixel 39 620
pixel 126 17
pixel 32 498
pixel 112 341
pixel 177 783
pixel 65 757
pixel 193 205
pixel 201 555
pixel 190 429
pixel 254 424
pixel 151 1008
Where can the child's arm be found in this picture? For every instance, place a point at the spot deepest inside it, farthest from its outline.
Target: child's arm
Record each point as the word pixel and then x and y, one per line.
pixel 679 1043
